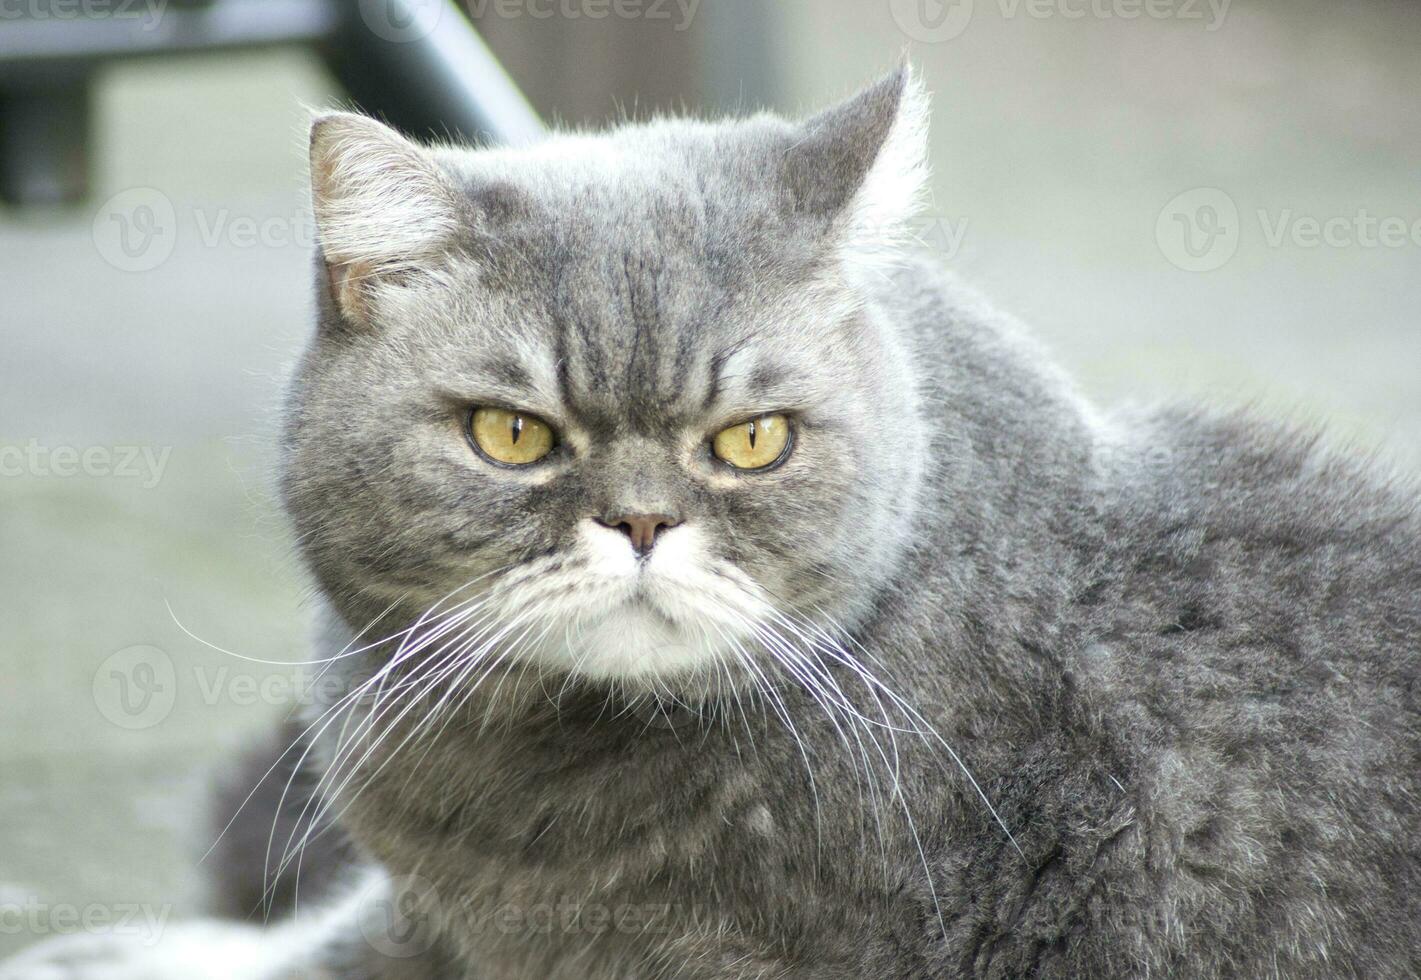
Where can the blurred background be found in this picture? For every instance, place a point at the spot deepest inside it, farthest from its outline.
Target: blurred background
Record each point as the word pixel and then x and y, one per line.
pixel 1182 197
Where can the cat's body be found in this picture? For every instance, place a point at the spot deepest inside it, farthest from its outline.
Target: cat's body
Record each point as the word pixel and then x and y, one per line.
pixel 1199 727
pixel 1032 691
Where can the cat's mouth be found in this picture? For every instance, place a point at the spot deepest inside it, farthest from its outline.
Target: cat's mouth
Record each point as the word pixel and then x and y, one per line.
pixel 602 613
pixel 675 613
pixel 638 640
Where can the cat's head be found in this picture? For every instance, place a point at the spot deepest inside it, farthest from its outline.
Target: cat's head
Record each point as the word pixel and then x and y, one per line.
pixel 618 398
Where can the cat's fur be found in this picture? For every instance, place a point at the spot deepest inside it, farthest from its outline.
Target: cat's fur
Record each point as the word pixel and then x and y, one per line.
pixel 1143 694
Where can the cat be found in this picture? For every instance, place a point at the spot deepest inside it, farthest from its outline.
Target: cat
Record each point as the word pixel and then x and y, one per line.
pixel 720 590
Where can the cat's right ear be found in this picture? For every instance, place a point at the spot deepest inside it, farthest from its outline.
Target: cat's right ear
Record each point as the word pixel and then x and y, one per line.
pixel 383 208
pixel 862 164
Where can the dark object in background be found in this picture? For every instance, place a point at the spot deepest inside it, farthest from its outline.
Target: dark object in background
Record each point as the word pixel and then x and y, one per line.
pixel 253 833
pixel 423 69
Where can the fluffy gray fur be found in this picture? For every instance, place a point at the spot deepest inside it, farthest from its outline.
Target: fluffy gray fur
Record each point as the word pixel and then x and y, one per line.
pixel 1018 689
pixel 1176 651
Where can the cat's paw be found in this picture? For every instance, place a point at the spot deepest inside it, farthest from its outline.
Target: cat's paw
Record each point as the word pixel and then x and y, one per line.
pixel 206 950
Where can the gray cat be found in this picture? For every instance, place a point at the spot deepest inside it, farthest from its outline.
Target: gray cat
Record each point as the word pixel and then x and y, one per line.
pixel 718 591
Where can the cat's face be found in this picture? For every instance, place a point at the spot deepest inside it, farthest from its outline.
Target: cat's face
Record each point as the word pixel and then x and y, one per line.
pixel 535 384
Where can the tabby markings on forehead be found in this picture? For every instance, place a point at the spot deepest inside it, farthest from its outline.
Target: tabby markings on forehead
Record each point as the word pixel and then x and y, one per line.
pixel 745 383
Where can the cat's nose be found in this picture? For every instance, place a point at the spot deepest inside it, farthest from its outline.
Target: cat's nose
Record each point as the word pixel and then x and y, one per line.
pixel 640 528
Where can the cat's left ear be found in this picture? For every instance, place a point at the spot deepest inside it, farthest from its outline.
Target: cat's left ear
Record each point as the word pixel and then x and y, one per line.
pixel 384 210
pixel 862 164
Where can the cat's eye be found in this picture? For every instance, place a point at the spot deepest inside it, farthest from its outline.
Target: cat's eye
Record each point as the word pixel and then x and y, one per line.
pixel 510 438
pixel 756 444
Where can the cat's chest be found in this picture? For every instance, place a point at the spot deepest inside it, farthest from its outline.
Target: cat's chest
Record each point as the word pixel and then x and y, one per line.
pixel 568 804
pixel 535 859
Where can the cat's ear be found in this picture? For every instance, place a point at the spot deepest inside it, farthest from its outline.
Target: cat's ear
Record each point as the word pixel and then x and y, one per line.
pixel 863 163
pixel 383 208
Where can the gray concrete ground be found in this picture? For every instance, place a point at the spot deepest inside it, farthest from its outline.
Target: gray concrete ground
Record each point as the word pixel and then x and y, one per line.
pixel 1059 145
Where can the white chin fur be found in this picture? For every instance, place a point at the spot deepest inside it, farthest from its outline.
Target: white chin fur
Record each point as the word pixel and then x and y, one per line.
pixel 636 643
pixel 643 622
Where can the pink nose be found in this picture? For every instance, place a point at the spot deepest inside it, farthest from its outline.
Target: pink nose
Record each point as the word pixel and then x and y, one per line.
pixel 640 528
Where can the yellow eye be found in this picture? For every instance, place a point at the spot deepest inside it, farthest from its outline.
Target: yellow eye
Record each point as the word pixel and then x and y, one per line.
pixel 510 438
pixel 754 445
